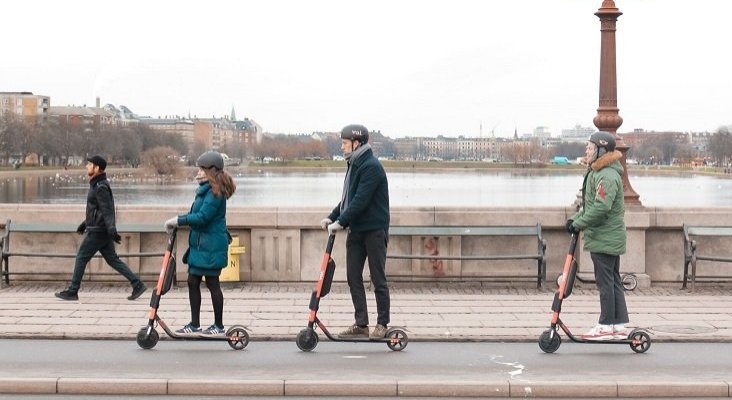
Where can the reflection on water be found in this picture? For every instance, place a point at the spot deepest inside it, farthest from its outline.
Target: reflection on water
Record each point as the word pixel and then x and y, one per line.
pixel 421 188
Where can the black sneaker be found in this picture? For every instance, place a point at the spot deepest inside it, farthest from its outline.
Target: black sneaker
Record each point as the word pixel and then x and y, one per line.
pixel 137 291
pixel 67 295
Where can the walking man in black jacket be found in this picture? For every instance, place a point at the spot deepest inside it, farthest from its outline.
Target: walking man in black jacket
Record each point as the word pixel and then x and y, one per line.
pixel 101 231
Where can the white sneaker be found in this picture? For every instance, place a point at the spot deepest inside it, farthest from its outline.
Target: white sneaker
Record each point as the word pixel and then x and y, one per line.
pixel 599 332
pixel 620 332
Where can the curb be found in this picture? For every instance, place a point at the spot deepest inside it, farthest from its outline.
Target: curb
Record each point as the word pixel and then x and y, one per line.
pixel 406 388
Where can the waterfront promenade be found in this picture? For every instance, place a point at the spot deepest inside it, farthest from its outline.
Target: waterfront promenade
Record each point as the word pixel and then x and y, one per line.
pixel 431 312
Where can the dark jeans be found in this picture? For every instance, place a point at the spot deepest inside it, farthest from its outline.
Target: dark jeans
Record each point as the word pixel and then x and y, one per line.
pixel 612 296
pixel 103 243
pixel 359 246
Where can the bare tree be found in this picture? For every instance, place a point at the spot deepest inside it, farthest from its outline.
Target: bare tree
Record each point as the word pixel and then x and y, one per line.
pixel 162 160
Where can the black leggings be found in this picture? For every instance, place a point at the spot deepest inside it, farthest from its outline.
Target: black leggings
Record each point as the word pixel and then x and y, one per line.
pixel 217 298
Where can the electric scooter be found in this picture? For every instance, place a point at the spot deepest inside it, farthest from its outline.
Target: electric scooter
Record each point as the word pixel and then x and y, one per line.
pixel 396 338
pixel 147 337
pixel 549 341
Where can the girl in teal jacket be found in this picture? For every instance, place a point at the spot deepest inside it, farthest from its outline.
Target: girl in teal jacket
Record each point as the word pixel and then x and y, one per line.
pixel 208 241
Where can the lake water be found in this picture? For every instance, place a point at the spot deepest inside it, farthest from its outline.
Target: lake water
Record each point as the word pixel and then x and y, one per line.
pixel 482 188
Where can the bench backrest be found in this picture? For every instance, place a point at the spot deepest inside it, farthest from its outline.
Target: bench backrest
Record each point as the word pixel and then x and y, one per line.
pixel 531 230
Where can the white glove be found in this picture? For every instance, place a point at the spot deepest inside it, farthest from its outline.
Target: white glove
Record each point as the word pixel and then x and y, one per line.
pixel 171 224
pixel 325 222
pixel 334 227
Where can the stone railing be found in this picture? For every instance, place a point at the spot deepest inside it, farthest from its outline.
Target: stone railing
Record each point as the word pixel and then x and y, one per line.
pixel 286 244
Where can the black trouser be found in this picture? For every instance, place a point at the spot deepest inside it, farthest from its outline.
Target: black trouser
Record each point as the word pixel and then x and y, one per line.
pixel 101 242
pixel 217 298
pixel 359 246
pixel 612 296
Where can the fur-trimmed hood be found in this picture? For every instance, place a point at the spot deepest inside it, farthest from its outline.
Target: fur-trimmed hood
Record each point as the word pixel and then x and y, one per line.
pixel 606 160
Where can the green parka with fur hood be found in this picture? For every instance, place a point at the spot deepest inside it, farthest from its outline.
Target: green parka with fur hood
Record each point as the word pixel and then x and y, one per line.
pixel 602 215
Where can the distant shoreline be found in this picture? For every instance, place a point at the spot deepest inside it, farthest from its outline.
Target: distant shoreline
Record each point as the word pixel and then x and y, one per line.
pixel 390 166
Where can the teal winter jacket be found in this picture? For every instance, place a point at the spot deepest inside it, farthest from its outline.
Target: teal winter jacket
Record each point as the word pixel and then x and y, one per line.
pixel 208 242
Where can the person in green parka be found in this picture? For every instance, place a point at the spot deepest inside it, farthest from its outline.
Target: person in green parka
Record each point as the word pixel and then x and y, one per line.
pixel 601 218
pixel 208 241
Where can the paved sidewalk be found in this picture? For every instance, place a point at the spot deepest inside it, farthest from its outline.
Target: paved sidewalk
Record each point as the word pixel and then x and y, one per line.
pixel 434 312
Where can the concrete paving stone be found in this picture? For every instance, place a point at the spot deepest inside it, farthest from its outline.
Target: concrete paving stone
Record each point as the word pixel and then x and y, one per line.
pixel 673 389
pixel 59 321
pixel 28 385
pixel 226 387
pixel 477 317
pixel 121 321
pixel 695 317
pixel 417 388
pixel 116 386
pixel 340 388
pixel 24 328
pixel 549 389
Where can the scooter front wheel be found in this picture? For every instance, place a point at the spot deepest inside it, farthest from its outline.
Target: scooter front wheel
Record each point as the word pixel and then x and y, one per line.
pixel 307 339
pixel 146 341
pixel 549 343
pixel 237 337
pixel 640 341
pixel 398 339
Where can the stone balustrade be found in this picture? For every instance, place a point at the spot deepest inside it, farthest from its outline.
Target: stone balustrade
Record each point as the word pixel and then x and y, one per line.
pixel 286 244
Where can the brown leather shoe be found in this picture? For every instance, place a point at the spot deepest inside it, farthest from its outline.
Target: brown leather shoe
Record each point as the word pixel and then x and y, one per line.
pixel 355 331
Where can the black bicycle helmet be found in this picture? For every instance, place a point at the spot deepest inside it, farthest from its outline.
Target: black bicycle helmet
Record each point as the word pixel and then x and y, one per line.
pixel 211 159
pixel 355 132
pixel 603 140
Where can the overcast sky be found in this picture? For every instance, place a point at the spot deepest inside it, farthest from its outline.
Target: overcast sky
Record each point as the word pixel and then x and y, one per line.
pixel 407 68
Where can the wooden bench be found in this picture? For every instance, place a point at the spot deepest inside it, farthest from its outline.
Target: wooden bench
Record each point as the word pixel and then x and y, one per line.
pixel 6 252
pixel 430 235
pixel 691 255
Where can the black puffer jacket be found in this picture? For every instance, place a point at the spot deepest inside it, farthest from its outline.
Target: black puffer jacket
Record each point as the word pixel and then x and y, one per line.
pixel 100 206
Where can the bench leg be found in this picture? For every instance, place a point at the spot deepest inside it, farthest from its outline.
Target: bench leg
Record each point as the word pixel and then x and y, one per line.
pixel 5 271
pixel 686 273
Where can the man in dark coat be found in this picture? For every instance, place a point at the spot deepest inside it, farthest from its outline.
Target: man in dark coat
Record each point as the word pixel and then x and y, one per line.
pixel 101 232
pixel 364 211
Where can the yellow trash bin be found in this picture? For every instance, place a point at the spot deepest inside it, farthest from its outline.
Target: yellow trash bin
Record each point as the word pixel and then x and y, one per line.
pixel 231 272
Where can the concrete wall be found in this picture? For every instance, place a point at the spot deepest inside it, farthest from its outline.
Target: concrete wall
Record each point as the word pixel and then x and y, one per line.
pixel 286 244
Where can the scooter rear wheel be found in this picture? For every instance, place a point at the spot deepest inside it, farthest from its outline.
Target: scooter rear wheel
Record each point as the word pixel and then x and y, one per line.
pixel 629 281
pixel 146 341
pixel 641 341
pixel 238 337
pixel 307 339
pixel 398 339
pixel 549 343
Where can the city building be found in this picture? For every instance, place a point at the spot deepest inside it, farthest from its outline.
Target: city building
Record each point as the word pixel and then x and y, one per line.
pixel 26 105
pixel 577 134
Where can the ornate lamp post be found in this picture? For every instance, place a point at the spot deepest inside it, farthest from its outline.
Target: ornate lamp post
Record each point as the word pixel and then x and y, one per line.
pixel 607 118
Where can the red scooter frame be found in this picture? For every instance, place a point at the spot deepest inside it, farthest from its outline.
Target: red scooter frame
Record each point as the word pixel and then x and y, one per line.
pixel 549 341
pixel 147 337
pixel 396 338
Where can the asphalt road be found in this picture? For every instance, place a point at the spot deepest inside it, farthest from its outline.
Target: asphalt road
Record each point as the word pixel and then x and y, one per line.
pixel 673 362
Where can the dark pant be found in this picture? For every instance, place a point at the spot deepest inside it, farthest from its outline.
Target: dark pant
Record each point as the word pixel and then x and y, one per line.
pixel 217 298
pixel 359 246
pixel 612 297
pixel 101 242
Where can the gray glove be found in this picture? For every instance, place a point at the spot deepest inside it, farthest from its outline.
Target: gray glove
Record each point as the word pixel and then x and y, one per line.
pixel 325 222
pixel 171 224
pixel 334 227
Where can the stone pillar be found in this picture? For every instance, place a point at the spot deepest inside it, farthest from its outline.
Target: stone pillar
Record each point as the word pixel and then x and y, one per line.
pixel 608 118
